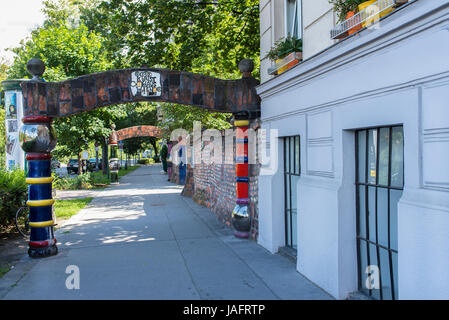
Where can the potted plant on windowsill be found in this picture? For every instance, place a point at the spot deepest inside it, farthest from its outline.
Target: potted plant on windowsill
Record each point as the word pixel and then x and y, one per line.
pixel 345 9
pixel 286 53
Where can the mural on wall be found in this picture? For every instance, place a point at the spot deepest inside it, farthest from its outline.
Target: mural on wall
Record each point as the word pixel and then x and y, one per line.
pixel 11 164
pixel 11 142
pixel 14 156
pixel 145 84
pixel 12 126
pixel 11 105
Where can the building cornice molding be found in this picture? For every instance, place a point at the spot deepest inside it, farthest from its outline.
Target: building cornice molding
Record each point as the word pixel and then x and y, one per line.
pixel 439 78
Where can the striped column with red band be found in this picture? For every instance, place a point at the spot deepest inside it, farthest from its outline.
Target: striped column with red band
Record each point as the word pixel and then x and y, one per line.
pixel 240 217
pixel 37 140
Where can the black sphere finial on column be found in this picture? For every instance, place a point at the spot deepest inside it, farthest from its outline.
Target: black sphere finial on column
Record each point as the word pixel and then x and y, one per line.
pixel 36 67
pixel 246 67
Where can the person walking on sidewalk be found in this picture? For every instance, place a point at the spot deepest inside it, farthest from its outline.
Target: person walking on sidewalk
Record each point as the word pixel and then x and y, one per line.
pixel 164 155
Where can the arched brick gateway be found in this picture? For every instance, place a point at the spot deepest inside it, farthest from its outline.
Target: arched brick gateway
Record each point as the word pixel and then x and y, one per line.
pixel 139 131
pixel 44 101
pixel 59 99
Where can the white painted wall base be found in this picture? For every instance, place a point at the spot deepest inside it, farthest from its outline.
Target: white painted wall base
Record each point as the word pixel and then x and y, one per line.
pixel 423 245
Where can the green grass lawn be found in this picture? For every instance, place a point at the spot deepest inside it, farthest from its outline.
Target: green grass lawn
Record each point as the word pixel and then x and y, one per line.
pixel 100 179
pixel 92 180
pixel 4 270
pixel 122 171
pixel 64 209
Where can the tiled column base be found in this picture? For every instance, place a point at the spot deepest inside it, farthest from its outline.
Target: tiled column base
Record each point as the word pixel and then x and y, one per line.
pixel 240 218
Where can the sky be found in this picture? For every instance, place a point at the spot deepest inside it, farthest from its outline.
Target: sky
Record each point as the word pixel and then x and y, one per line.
pixel 17 19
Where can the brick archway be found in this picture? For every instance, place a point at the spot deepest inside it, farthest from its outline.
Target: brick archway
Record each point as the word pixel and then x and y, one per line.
pixel 59 99
pixel 43 101
pixel 138 131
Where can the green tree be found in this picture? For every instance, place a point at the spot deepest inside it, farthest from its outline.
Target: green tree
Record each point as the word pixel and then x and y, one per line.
pixel 209 37
pixel 3 75
pixel 3 69
pixel 181 35
pixel 181 116
pixel 69 52
pixel 2 137
pixel 66 11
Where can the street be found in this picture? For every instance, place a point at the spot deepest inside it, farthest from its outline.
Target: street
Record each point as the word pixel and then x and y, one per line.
pixel 143 240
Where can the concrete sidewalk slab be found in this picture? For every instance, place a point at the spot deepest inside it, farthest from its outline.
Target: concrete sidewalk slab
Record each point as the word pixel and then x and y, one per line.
pixel 143 240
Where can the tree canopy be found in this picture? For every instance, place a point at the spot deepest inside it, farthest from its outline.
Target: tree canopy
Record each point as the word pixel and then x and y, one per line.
pixel 69 52
pixel 3 75
pixel 208 37
pixel 81 37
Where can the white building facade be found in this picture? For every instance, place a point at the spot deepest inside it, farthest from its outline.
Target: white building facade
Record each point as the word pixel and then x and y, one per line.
pixel 361 190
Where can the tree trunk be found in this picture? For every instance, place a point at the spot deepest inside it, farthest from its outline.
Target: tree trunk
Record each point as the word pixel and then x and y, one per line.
pixel 153 143
pixel 80 166
pixel 104 157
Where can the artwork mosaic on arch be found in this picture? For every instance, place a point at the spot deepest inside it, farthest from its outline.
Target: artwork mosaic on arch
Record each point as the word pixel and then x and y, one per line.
pixel 145 84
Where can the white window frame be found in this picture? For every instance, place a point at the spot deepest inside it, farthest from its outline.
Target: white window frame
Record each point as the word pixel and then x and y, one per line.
pixel 298 15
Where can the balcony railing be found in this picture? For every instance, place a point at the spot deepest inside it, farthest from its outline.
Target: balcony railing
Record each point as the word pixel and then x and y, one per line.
pixel 365 17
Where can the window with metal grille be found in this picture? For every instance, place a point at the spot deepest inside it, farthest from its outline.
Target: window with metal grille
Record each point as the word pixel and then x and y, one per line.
pixel 379 185
pixel 292 171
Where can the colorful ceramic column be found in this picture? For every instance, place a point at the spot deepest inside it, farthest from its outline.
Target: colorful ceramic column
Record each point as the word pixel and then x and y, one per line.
pixel 38 139
pixel 240 218
pixel 113 162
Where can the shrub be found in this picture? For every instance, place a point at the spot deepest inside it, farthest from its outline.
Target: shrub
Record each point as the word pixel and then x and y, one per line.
pixel 148 160
pixel 83 181
pixel 156 159
pixel 13 194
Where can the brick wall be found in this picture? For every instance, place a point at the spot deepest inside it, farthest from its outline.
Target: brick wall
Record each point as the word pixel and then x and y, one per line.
pixel 213 186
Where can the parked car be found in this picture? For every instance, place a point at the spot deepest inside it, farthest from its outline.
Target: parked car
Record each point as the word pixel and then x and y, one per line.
pixel 87 166
pixel 72 166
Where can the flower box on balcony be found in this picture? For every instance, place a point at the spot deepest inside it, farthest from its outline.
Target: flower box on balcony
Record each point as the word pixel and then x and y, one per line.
pixel 288 61
pixel 368 12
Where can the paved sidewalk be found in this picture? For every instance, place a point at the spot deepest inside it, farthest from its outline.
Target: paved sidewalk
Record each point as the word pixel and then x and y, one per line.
pixel 75 194
pixel 143 240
